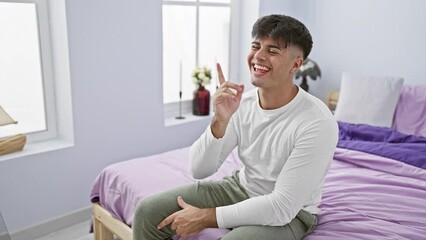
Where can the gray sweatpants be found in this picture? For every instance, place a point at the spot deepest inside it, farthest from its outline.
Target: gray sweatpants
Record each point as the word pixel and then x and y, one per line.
pixel 210 194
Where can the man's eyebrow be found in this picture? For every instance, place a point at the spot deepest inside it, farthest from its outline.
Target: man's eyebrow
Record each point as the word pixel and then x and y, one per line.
pixel 269 45
pixel 274 46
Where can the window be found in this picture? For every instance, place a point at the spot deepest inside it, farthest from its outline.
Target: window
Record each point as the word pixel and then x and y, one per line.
pixel 26 84
pixel 35 85
pixel 195 33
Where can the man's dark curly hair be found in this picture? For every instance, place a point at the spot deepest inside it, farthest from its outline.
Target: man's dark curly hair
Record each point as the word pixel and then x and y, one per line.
pixel 281 27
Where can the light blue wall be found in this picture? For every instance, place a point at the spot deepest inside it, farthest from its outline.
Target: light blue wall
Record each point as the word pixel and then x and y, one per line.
pixel 116 68
pixel 376 37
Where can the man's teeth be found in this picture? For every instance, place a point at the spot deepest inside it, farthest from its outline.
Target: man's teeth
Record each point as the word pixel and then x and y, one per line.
pixel 263 68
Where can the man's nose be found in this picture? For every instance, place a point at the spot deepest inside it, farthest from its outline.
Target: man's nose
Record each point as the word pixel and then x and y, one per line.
pixel 261 54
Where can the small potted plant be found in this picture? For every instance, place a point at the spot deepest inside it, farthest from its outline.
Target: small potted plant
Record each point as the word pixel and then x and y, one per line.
pixel 310 69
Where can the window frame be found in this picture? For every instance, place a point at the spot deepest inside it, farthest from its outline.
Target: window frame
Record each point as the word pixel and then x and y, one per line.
pixel 171 109
pixel 46 59
pixel 61 97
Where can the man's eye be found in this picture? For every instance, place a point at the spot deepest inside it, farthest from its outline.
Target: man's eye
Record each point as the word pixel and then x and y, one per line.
pixel 254 47
pixel 273 52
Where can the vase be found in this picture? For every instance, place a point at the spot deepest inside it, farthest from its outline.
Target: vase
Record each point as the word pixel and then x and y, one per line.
pixel 201 102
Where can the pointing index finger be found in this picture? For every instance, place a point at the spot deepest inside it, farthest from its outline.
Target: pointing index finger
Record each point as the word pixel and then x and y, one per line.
pixel 166 221
pixel 220 74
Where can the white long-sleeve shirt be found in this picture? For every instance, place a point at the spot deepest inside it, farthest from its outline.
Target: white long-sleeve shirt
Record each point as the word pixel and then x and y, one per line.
pixel 286 153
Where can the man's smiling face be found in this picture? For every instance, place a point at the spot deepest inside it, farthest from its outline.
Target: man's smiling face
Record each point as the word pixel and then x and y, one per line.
pixel 271 62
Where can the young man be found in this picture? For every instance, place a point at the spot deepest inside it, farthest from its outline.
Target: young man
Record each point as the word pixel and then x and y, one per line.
pixel 285 139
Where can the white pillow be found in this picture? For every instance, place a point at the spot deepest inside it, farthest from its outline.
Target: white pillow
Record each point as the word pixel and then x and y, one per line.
pixel 368 99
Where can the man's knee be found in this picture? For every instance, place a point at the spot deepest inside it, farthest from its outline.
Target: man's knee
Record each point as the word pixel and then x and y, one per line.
pixel 141 217
pixel 146 219
pixel 146 210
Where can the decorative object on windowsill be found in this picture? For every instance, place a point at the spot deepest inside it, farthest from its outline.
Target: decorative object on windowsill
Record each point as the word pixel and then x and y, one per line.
pixel 180 92
pixel 201 102
pixel 310 69
pixel 12 143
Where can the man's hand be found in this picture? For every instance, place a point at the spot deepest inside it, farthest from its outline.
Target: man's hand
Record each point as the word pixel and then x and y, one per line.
pixel 190 220
pixel 225 103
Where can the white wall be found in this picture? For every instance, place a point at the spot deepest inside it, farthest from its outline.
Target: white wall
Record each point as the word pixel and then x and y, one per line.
pixel 376 37
pixel 115 60
pixel 248 16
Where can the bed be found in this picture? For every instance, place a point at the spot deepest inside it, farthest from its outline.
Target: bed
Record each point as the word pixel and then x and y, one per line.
pixel 375 188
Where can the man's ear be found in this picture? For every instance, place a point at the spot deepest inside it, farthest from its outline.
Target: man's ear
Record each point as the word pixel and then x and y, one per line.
pixel 297 64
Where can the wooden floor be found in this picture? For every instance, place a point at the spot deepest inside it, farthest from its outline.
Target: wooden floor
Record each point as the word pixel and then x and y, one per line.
pixel 79 231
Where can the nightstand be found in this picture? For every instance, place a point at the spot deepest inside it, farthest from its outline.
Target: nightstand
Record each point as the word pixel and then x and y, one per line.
pixel 332 98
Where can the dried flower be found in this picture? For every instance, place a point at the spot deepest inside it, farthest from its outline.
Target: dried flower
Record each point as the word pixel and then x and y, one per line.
pixel 202 76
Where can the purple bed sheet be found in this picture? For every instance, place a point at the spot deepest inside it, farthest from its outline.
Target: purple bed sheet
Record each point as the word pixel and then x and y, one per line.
pixel 365 196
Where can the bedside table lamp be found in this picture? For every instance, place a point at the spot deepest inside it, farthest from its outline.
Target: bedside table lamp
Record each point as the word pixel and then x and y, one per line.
pixel 11 143
pixel 310 69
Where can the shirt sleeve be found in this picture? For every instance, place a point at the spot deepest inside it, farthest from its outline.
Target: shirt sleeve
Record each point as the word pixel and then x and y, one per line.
pixel 208 153
pixel 301 176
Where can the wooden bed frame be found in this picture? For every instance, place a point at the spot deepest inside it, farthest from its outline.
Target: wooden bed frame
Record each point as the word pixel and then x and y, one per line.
pixel 106 226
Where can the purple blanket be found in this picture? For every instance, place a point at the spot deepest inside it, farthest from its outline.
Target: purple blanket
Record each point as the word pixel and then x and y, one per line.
pixel 384 142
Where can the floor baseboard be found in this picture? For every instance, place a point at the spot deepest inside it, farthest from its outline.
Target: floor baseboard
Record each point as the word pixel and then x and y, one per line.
pixel 53 225
pixel 4 236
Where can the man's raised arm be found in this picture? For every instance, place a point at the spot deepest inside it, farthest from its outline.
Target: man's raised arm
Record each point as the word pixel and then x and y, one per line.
pixel 208 152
